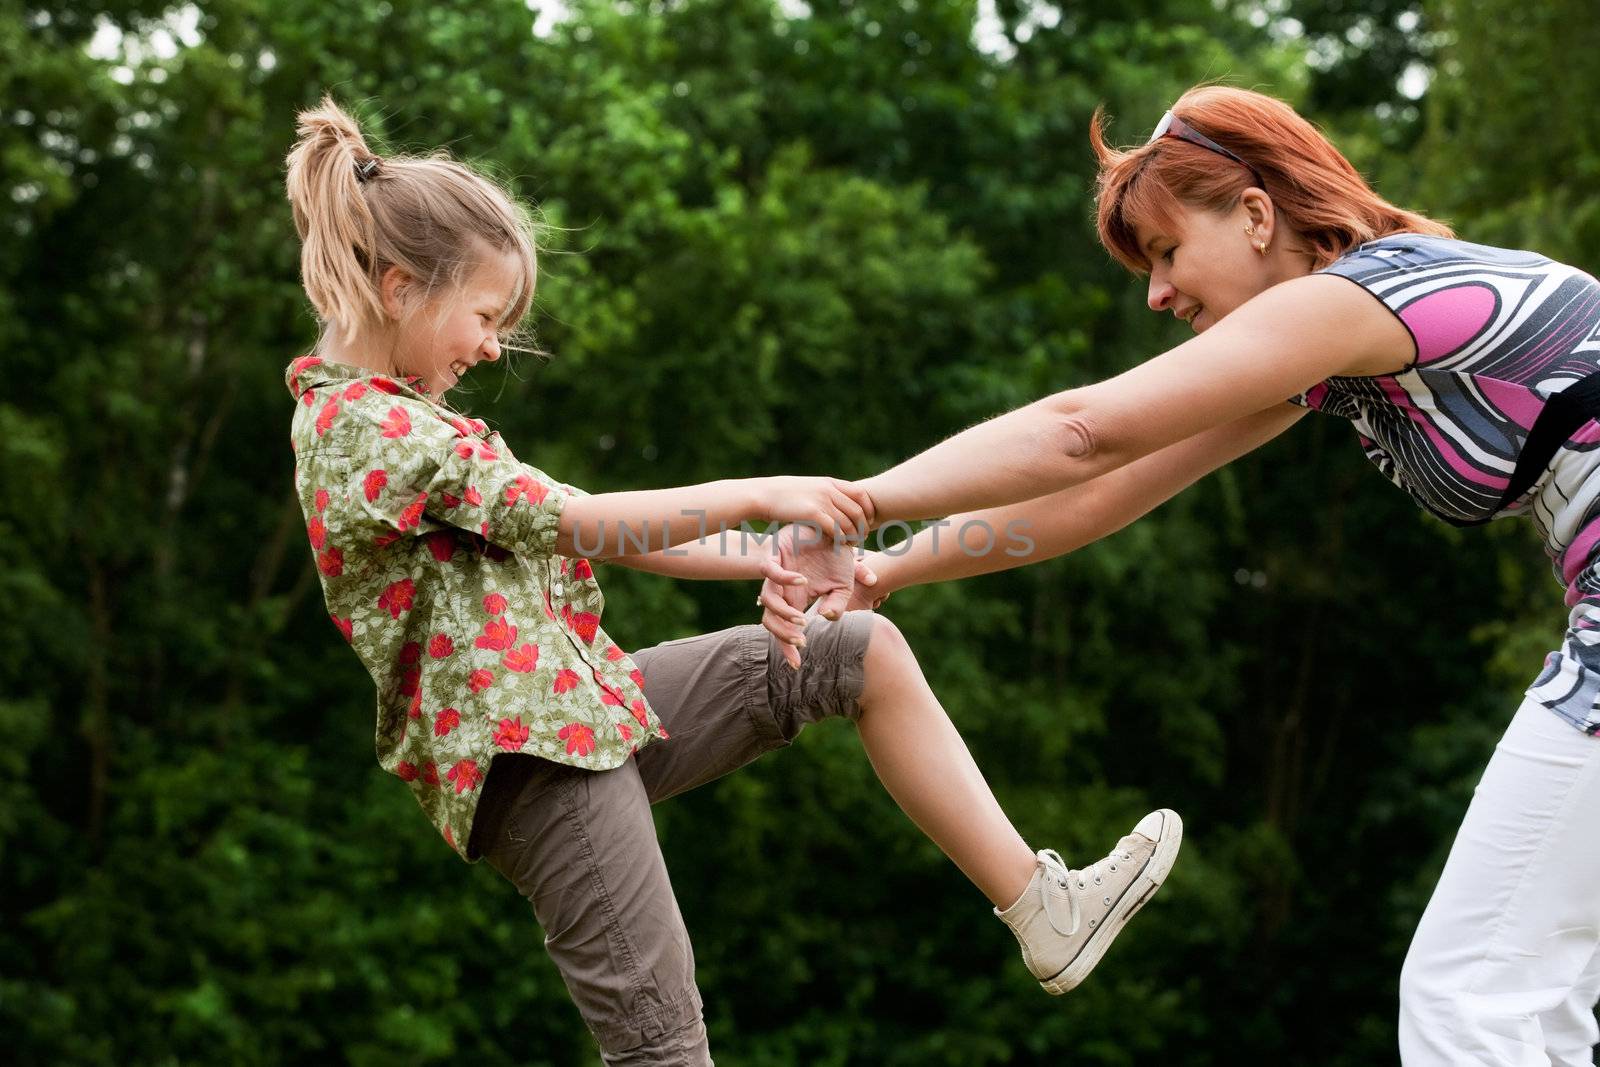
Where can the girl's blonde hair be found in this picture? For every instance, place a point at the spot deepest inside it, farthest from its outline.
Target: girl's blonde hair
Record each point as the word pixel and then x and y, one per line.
pixel 358 214
pixel 1319 194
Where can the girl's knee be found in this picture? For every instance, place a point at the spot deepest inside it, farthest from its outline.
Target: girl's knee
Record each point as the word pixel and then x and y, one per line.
pixel 889 660
pixel 885 641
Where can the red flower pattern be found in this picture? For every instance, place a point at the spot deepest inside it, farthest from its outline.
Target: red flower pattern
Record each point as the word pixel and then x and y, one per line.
pixel 411 517
pixel 325 417
pixel 465 775
pixel 527 487
pixel 522 660
pixel 585 624
pixel 303 364
pixel 396 599
pixel 445 721
pixel 498 634
pixel 516 717
pixel 511 734
pixel 442 543
pixel 579 738
pixel 397 423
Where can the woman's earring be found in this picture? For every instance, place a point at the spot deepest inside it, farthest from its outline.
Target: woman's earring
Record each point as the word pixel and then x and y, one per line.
pixel 1261 246
pixel 1250 229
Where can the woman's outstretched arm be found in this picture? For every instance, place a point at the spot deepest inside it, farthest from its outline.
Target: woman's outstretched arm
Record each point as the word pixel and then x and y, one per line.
pixel 996 539
pixel 1276 345
pixel 1014 535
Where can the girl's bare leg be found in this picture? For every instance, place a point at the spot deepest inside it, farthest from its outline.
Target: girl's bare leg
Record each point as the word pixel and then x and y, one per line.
pixel 924 764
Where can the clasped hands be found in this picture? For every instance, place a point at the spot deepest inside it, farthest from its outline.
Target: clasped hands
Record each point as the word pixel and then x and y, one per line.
pixel 808 568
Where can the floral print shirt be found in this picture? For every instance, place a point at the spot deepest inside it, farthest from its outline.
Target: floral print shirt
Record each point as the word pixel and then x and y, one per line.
pixel 436 550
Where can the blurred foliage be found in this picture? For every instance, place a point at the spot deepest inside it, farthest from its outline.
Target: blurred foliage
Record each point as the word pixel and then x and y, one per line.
pixel 774 233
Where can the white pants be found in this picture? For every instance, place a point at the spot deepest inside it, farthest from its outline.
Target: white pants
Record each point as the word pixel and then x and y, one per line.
pixel 1505 966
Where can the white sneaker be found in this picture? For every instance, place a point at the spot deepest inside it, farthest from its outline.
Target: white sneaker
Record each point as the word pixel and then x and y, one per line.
pixel 1065 920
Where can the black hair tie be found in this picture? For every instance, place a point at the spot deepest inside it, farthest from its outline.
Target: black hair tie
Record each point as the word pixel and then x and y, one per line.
pixel 365 169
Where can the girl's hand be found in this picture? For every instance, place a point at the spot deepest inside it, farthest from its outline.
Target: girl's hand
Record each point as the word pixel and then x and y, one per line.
pixel 802 569
pixel 830 508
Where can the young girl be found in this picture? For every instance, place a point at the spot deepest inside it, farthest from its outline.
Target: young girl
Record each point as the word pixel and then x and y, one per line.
pixel 1472 377
pixel 458 575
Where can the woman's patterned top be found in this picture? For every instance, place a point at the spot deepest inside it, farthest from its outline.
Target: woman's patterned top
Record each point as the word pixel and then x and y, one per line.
pixel 1497 333
pixel 436 549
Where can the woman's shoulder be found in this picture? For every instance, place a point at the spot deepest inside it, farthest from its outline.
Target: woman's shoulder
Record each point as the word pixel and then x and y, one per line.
pixel 1400 253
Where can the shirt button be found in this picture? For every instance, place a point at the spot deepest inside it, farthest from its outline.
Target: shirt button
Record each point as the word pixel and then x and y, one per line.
pixel 556 588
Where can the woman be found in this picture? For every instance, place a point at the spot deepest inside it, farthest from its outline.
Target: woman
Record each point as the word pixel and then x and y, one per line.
pixel 1466 371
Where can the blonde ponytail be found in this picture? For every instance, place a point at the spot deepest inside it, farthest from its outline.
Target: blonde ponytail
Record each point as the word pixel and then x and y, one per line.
pixel 358 215
pixel 336 228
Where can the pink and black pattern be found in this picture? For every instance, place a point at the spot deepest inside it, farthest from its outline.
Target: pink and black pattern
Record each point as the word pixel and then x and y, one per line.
pixel 1497 332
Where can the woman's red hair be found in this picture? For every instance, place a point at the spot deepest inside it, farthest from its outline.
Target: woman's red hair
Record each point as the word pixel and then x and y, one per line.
pixel 1316 191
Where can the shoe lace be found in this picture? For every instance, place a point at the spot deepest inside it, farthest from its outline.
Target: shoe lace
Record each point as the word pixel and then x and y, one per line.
pixel 1055 867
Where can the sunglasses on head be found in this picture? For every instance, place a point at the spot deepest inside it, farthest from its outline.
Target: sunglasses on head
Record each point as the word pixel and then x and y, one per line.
pixel 1172 126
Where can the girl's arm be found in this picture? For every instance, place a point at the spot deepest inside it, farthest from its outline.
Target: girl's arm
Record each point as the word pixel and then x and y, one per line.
pixel 741 556
pixel 1276 345
pixel 732 556
pixel 641 522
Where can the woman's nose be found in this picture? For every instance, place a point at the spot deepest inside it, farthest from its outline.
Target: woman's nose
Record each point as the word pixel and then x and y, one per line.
pixel 1161 293
pixel 491 348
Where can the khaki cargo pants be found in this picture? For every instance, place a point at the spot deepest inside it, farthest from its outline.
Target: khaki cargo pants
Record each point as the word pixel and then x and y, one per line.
pixel 581 846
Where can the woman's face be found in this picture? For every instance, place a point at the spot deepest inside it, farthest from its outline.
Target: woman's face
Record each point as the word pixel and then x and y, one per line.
pixel 1206 263
pixel 454 331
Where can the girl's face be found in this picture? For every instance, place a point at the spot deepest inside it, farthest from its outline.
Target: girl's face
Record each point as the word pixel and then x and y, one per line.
pixel 454 331
pixel 1207 263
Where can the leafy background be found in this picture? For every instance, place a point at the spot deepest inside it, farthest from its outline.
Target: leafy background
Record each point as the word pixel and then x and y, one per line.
pixel 803 237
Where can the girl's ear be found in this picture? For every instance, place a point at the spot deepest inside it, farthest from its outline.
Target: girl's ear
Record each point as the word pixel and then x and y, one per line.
pixel 396 287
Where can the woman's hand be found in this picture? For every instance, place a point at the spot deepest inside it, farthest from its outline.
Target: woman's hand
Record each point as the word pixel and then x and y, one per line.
pixel 839 511
pixel 870 591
